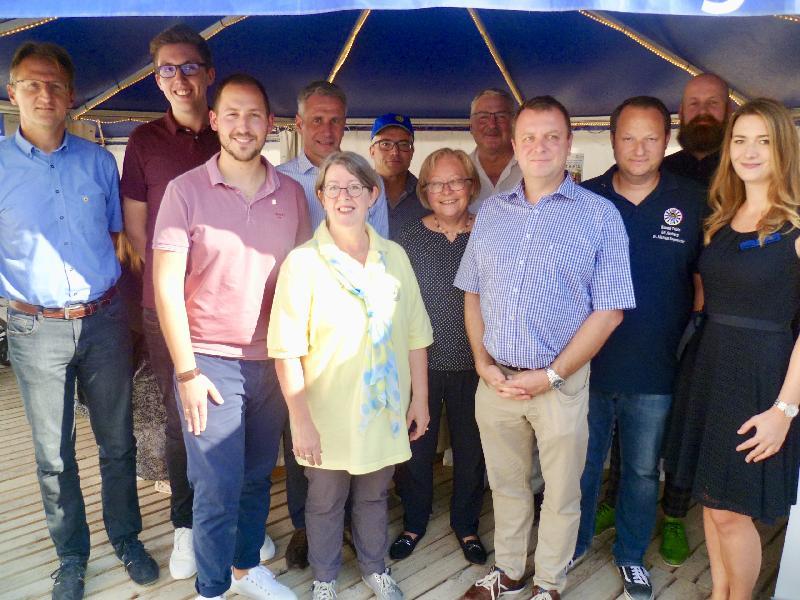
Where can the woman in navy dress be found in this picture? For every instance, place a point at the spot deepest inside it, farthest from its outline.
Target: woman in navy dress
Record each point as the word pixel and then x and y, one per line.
pixel 734 437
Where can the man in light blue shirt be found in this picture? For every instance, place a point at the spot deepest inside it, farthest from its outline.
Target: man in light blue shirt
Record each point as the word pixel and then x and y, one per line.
pixel 321 110
pixel 59 206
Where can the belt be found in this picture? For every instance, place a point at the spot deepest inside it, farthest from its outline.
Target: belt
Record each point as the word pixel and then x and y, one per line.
pixel 72 311
pixel 747 323
pixel 510 368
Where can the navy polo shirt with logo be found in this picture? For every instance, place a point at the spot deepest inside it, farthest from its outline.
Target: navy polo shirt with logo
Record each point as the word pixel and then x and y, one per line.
pixel 665 238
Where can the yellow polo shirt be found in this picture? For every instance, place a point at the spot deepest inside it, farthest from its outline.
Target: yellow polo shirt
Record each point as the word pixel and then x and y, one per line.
pixel 315 319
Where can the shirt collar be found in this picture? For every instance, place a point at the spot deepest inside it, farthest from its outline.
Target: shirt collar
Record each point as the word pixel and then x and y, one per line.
pixel 174 127
pixel 567 189
pixel 270 185
pixel 667 180
pixel 304 163
pixel 28 148
pixel 377 244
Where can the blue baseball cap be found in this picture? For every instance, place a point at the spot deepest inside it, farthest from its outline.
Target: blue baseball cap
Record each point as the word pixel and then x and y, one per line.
pixel 392 120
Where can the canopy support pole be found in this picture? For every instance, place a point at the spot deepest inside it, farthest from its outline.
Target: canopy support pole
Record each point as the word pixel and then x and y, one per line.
pixel 348 45
pixel 498 60
pixel 136 77
pixel 13 26
pixel 656 49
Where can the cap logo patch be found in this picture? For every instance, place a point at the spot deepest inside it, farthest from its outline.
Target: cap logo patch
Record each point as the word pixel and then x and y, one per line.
pixel 673 216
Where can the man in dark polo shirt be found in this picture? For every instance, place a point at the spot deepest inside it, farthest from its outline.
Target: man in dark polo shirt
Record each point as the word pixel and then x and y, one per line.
pixel 704 111
pixel 632 375
pixel 157 153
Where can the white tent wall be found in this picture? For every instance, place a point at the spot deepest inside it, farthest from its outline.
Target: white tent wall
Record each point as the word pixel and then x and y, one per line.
pixel 594 145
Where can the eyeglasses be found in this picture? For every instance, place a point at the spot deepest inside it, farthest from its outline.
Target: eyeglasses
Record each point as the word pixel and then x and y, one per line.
pixel 499 116
pixel 354 190
pixel 456 185
pixel 389 145
pixel 188 69
pixel 36 86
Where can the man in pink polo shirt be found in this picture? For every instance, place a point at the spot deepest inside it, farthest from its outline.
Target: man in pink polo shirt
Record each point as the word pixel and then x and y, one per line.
pixel 222 231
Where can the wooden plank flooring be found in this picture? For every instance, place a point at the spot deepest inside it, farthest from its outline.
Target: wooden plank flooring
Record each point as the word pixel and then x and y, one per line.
pixel 436 570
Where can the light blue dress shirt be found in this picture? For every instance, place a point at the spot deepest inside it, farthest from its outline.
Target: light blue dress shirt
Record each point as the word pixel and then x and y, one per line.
pixel 541 269
pixel 56 212
pixel 305 173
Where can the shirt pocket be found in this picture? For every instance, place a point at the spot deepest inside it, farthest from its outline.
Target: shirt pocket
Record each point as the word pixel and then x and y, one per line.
pixel 90 210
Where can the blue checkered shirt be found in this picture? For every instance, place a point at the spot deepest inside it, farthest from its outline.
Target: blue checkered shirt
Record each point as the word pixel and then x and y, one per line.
pixel 305 173
pixel 541 269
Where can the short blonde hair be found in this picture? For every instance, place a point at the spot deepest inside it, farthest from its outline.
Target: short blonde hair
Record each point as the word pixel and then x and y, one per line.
pixel 429 164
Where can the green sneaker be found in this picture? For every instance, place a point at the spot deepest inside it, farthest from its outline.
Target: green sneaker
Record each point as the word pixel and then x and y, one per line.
pixel 604 518
pixel 674 546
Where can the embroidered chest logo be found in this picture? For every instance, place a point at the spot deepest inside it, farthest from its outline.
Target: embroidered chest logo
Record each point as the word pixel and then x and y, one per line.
pixel 673 216
pixel 670 232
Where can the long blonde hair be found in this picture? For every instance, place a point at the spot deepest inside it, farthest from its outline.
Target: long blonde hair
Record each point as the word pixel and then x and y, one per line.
pixel 727 191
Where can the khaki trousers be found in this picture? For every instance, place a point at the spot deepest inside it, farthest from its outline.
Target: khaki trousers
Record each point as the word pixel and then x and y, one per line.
pixel 558 420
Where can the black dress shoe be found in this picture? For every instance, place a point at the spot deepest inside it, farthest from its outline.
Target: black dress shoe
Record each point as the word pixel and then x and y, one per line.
pixel 297 550
pixel 139 565
pixel 473 551
pixel 69 580
pixel 403 546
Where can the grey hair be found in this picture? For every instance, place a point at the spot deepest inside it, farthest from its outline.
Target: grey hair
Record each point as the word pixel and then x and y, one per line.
pixel 356 164
pixel 323 88
pixel 493 92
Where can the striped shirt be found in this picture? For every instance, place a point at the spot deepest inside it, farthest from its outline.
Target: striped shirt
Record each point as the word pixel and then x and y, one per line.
pixel 305 173
pixel 541 269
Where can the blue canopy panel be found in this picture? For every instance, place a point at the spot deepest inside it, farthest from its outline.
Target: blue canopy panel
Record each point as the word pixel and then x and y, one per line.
pixel 95 8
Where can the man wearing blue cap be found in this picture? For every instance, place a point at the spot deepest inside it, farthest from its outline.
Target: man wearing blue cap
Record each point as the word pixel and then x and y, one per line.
pixel 392 149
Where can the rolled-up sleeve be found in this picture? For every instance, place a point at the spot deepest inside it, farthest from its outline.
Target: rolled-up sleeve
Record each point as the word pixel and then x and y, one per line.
pixel 611 287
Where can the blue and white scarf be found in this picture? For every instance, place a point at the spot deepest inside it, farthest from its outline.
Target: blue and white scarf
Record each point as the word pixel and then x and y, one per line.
pixel 380 375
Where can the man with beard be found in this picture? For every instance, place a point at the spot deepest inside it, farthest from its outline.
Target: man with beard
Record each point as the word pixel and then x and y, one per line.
pixel 222 231
pixel 703 113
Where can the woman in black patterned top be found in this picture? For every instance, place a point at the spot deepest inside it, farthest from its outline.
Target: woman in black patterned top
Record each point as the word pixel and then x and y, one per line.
pixel 448 183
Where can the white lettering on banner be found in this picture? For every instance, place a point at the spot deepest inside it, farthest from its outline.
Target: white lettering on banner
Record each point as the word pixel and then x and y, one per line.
pixel 723 7
pixel 669 234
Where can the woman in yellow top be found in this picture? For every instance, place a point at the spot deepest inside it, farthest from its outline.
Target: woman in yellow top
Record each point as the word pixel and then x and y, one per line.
pixel 348 331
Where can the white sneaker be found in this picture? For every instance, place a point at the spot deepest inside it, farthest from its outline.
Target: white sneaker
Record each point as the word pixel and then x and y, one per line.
pixel 383 585
pixel 323 590
pixel 267 551
pixel 182 564
pixel 260 584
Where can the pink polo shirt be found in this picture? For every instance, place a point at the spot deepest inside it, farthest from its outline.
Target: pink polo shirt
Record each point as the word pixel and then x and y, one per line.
pixel 235 250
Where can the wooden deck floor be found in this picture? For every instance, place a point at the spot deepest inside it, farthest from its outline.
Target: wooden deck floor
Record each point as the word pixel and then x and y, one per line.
pixel 436 570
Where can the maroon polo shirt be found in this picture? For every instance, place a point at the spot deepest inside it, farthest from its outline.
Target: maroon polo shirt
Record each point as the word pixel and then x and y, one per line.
pixel 157 153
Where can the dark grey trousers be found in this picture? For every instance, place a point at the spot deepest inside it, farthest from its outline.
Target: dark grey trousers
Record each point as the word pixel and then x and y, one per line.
pixel 327 494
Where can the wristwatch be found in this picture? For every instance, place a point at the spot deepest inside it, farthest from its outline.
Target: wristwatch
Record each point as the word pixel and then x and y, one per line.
pixel 556 381
pixel 790 410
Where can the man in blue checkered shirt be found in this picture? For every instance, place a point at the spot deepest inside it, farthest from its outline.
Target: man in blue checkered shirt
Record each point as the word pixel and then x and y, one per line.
pixel 546 276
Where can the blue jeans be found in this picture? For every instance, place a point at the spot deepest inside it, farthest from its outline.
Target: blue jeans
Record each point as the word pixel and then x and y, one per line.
pixel 641 419
pixel 48 356
pixel 230 465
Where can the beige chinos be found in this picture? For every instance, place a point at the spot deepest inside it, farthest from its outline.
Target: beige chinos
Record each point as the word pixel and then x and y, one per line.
pixel 558 420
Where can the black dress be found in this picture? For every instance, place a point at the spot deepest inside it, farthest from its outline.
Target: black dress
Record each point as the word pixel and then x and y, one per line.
pixel 734 370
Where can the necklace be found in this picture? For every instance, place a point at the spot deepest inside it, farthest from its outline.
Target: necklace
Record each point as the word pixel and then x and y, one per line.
pixel 447 233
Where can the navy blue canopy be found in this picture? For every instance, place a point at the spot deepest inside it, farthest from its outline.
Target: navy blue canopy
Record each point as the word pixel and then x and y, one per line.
pixel 429 62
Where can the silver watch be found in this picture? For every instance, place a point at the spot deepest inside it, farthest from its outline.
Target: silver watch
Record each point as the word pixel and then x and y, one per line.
pixel 790 410
pixel 556 381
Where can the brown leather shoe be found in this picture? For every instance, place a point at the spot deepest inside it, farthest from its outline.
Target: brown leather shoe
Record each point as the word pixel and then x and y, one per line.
pixel 297 550
pixel 543 594
pixel 493 586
